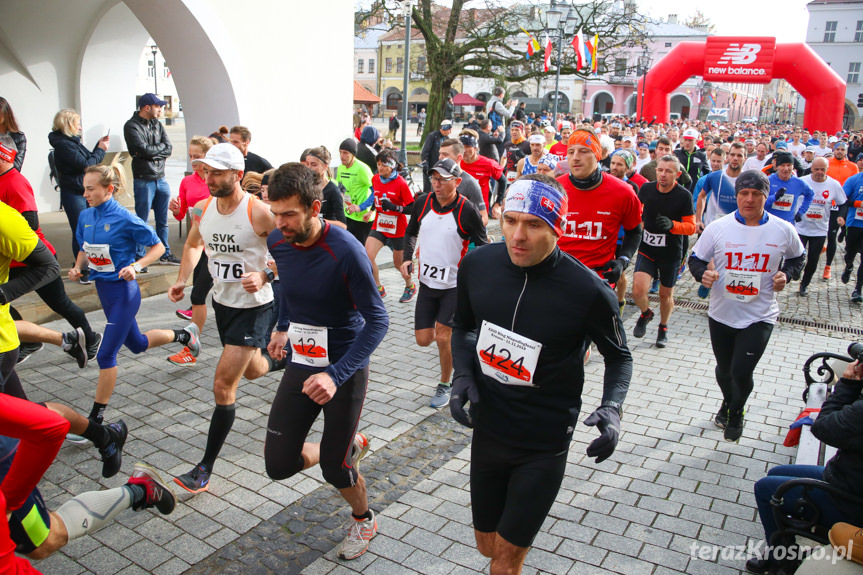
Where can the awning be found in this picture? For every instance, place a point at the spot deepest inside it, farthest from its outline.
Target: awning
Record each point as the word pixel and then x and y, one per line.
pixel 419 99
pixel 466 100
pixel 363 96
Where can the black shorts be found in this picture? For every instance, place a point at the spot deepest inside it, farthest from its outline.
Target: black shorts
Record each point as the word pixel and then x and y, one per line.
pixel 512 489
pixel 434 305
pixel 245 327
pixel 202 281
pixel 395 244
pixel 29 526
pixel 664 269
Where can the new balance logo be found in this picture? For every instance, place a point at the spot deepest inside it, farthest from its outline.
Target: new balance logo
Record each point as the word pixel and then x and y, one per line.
pixel 738 55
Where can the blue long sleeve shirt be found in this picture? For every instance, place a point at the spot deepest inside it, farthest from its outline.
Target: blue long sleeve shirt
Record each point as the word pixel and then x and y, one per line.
pixel 784 208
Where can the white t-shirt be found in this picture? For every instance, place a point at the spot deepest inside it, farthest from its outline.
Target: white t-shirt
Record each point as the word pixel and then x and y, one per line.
pixel 746 257
pixel 821 152
pixel 817 218
pixel 753 163
pixel 796 149
pixel 639 163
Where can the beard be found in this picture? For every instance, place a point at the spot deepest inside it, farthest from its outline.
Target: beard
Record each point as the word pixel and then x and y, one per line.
pixel 222 192
pixel 300 236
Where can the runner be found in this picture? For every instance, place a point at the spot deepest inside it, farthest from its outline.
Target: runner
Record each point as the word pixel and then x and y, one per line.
pixel 108 234
pixel 356 179
pixel 452 149
pixel 747 248
pixel 620 165
pixel 514 149
pixel 668 218
pixel 193 189
pixel 812 229
pixel 785 189
pixel 393 199
pixel 853 214
pixel 528 164
pixel 481 168
pixel 333 328
pixel 232 230
pixel 524 409
pixel 333 209
pixel 692 160
pixel 442 223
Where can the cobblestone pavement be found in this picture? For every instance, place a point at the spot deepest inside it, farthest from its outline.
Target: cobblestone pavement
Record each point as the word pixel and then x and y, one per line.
pixel 673 483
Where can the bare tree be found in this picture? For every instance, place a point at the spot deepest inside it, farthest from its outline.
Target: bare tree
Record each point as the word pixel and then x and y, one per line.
pixel 699 21
pixel 484 39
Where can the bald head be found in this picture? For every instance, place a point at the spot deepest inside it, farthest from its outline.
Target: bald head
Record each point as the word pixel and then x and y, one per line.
pixel 819 169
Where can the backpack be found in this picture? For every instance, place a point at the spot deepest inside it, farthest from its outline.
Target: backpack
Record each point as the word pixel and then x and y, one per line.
pixel 496 120
pixel 53 174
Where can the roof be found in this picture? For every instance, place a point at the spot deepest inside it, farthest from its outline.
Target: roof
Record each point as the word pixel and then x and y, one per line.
pixel 466 100
pixel 363 96
pixel 659 28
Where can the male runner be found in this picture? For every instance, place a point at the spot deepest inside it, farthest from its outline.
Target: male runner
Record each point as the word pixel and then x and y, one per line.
pixel 481 168
pixel 333 328
pixel 692 160
pixel 716 197
pixel 785 189
pixel 452 149
pixel 517 349
pixel 840 168
pixel 442 225
pixel 815 223
pixel 668 218
pixel 747 247
pixel 232 227
pixel 663 148
pixel 852 212
pixel 527 165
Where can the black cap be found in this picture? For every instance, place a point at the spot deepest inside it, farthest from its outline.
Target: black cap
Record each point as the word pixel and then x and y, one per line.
pixel 447 168
pixel 349 145
pixel 780 158
pixel 753 179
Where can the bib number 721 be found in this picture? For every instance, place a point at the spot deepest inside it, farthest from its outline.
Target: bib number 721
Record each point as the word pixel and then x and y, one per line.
pixel 431 272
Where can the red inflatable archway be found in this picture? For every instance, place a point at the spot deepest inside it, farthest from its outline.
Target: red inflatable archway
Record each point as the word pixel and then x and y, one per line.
pixel 748 60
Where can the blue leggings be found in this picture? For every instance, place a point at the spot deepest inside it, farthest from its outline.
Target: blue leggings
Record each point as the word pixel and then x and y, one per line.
pixel 120 302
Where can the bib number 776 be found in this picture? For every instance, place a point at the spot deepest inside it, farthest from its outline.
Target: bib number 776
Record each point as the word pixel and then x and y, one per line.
pixel 227 271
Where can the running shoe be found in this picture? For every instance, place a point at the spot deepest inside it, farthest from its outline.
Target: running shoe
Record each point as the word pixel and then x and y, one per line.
pixel 25 350
pixel 856 297
pixel 158 493
pixel 662 336
pixel 441 396
pixel 382 290
pixel 826 275
pixel 274 364
pixel 76 343
pixel 641 325
pixel 112 453
pixel 846 275
pixel 734 427
pixel 185 314
pixel 195 481
pixel 621 305
pixel 359 449
pixel 804 291
pixel 357 541
pixel 721 417
pixel 408 294
pixel 182 358
pixel 93 348
pixel 169 260
pixel 681 270
pixel 194 344
pixel 76 439
pixel 654 286
pixel 587 355
pixel 703 292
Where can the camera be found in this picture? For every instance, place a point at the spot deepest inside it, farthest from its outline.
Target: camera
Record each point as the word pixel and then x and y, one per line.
pixel 855 350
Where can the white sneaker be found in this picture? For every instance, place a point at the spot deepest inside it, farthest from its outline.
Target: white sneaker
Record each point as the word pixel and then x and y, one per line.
pixel 357 541
pixel 358 450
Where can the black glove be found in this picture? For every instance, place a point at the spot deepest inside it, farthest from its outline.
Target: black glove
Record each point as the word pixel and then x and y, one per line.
pixel 607 420
pixel 612 270
pixel 464 389
pixel 388 206
pixel 798 217
pixel 663 223
pixel 779 193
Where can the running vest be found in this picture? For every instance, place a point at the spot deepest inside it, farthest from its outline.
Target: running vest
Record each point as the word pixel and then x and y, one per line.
pixel 528 168
pixel 440 247
pixel 234 249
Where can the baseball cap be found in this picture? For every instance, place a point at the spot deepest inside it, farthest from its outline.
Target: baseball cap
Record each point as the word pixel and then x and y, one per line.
pixel 810 149
pixel 643 145
pixel 840 144
pixel 150 99
pixel 549 128
pixel 536 139
pixel 446 125
pixel 832 139
pixel 859 157
pixel 781 145
pixel 223 157
pixel 447 168
pixel 691 133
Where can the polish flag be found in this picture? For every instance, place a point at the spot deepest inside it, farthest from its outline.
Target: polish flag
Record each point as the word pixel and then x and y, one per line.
pixel 547 52
pixel 578 46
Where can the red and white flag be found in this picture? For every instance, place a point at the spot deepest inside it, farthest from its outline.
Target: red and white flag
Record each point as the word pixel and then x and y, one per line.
pixel 547 52
pixel 578 46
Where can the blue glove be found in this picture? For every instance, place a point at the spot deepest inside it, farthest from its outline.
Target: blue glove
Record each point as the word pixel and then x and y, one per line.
pixel 607 420
pixel 801 422
pixel 464 389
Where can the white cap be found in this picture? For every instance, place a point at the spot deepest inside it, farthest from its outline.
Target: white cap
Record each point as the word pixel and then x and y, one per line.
pixel 536 139
pixel 223 157
pixel 832 139
pixel 691 133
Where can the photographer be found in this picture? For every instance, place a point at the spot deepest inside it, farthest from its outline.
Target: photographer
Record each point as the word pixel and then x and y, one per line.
pixel 839 424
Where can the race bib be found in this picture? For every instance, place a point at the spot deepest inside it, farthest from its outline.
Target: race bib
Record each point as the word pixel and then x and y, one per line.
pixel 227 271
pixel 309 345
pixel 655 240
pixel 511 177
pixel 859 214
pixel 784 203
pixel 99 257
pixel 815 212
pixel 742 286
pixel 387 223
pixel 431 274
pixel 507 356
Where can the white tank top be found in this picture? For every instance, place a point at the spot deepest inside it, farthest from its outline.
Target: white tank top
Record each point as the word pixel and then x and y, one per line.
pixel 439 248
pixel 234 249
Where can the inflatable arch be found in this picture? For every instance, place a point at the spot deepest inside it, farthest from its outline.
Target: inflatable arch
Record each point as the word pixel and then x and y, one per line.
pixel 750 60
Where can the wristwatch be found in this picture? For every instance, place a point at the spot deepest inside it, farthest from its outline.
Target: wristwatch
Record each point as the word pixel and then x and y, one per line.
pixel 137 267
pixel 625 261
pixel 613 404
pixel 270 275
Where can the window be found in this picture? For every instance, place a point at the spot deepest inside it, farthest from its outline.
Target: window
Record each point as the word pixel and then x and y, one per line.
pixel 151 69
pixel 421 65
pixel 360 66
pixel 400 65
pixel 388 63
pixel 853 73
pixel 620 67
pixel 858 35
pixel 371 65
pixel 830 31
pixel 668 44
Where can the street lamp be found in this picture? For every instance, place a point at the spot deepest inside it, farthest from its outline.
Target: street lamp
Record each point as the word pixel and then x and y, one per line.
pixel 556 18
pixel 644 63
pixel 155 49
pixel 406 7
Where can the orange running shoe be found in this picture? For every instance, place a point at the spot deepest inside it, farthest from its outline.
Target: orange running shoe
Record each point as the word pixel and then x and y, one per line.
pixel 182 358
pixel 826 275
